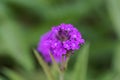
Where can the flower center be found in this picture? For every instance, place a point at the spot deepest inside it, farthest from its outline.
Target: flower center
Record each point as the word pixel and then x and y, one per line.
pixel 63 35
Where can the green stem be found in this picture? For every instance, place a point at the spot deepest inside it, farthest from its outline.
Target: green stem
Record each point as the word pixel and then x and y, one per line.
pixel 64 63
pixel 63 66
pixel 62 76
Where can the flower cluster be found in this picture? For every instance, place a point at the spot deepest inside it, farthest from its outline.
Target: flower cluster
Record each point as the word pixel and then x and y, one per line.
pixel 59 41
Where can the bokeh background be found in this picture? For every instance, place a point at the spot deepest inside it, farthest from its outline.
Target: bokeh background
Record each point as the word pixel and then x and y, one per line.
pixel 22 22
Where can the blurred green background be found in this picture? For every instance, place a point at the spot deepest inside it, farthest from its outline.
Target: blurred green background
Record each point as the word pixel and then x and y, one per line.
pixel 22 22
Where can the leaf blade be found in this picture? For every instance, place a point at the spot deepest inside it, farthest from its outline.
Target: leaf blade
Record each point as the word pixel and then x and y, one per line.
pixel 55 63
pixel 44 65
pixel 80 68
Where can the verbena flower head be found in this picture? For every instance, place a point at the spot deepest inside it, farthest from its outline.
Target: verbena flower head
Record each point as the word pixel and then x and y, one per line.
pixel 61 40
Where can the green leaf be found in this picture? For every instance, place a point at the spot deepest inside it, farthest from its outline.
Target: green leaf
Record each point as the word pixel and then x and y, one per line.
pixel 80 69
pixel 16 44
pixel 12 75
pixel 55 63
pixel 117 58
pixel 44 66
pixel 14 40
pixel 114 11
pixel 107 76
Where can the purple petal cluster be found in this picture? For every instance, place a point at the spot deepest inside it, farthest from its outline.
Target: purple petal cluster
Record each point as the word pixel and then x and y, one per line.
pixel 60 40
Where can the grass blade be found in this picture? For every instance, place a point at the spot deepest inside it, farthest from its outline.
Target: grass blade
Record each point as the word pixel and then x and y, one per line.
pixel 44 65
pixel 80 68
pixel 55 63
pixel 114 11
pixel 13 75
pixel 14 40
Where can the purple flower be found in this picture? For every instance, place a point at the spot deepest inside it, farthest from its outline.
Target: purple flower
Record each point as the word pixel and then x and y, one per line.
pixel 59 41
